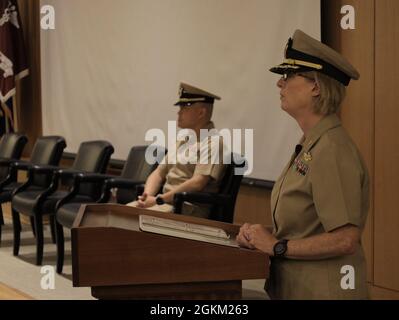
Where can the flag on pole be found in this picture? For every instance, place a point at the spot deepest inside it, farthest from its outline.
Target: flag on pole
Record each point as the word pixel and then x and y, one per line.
pixel 13 63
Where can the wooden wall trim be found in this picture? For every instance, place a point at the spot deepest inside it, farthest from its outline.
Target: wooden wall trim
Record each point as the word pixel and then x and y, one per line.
pixel 29 102
pixel 379 293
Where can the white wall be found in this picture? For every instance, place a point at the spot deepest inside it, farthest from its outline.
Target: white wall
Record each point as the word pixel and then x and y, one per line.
pixel 111 69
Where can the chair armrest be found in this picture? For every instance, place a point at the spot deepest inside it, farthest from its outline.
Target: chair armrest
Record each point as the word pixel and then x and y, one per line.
pixel 70 195
pixel 117 183
pixel 56 175
pixel 69 173
pixel 43 169
pixel 12 172
pixel 4 162
pixel 92 177
pixel 14 166
pixel 79 177
pixel 11 177
pixel 67 176
pixel 40 170
pixel 67 199
pixel 122 183
pixel 200 197
pixel 21 165
pixel 36 169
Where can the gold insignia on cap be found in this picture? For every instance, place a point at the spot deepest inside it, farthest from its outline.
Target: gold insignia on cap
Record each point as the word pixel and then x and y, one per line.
pixel 307 156
pixel 303 63
pixel 181 90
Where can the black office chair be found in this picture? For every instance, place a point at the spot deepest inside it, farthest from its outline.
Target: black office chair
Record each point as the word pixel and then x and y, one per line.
pixel 11 147
pixel 223 202
pixel 48 151
pixel 92 156
pixel 135 172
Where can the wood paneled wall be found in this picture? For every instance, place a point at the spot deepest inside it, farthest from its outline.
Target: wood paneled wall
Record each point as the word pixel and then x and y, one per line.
pixel 253 206
pixel 386 217
pixel 370 114
pixel 357 112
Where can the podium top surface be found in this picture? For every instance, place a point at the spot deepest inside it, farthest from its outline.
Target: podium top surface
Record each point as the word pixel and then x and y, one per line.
pixel 124 217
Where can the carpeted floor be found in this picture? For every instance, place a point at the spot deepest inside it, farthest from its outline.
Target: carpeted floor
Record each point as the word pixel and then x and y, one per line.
pixel 22 275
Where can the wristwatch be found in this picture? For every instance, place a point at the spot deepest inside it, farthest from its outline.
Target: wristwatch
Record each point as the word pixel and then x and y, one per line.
pixel 159 200
pixel 280 248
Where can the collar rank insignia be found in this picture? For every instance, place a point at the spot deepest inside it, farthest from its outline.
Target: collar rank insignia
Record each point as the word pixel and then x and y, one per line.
pixel 307 156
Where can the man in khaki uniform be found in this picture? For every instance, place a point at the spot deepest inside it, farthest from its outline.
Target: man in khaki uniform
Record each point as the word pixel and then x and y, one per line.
pixel 320 202
pixel 196 166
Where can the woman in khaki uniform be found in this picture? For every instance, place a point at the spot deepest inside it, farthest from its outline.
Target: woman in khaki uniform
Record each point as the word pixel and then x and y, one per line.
pixel 320 201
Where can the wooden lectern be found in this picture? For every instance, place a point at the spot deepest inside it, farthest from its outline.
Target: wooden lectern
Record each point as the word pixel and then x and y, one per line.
pixel 117 260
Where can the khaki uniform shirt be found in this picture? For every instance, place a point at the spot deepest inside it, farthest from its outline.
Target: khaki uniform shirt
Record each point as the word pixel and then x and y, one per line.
pixel 322 188
pixel 203 163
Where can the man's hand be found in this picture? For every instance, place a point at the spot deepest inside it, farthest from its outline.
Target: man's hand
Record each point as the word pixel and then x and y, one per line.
pixel 195 184
pixel 146 201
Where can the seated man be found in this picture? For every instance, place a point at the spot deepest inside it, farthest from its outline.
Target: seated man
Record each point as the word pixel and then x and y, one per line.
pixel 202 174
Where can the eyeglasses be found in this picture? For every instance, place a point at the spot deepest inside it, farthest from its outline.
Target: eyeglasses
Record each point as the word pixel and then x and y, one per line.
pixel 289 75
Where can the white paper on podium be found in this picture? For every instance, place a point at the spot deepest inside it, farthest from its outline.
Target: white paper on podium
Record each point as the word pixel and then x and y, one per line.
pixel 186 230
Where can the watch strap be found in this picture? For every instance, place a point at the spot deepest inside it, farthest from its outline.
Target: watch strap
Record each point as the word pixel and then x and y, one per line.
pixel 280 248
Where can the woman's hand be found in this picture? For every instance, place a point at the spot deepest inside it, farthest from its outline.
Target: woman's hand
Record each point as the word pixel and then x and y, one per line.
pixel 256 236
pixel 243 237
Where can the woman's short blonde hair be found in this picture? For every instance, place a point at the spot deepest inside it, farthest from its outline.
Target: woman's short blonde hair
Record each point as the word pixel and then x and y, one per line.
pixel 332 93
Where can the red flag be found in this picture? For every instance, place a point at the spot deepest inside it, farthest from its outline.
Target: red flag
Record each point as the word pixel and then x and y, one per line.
pixel 13 63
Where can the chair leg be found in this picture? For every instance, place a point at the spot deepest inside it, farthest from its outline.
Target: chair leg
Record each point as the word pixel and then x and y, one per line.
pixel 32 223
pixel 59 232
pixel 52 228
pixel 39 238
pixel 16 222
